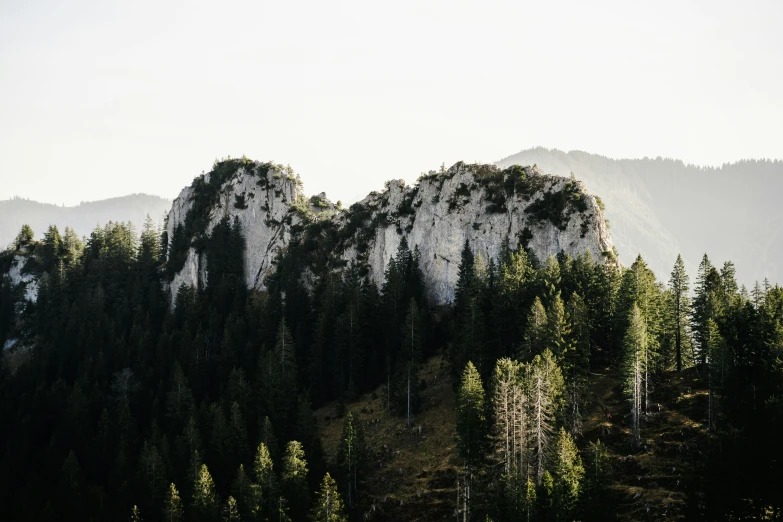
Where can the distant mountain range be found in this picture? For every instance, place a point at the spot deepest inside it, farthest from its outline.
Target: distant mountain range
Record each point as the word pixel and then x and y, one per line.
pixel 83 218
pixel 661 207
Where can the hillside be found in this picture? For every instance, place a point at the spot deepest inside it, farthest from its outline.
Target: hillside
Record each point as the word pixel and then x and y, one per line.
pixel 661 207
pixel 210 368
pixel 83 218
pixel 415 471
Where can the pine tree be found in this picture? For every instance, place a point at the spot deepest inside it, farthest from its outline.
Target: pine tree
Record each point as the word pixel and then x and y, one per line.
pixel 268 438
pixel 149 252
pixel 351 457
pixel 135 515
pixel 568 474
pixel 24 238
pixel 243 490
pixel 180 398
pixel 595 492
pixel 152 472
pixel 680 303
pixel 576 362
pixel 264 489
pixel 514 278
pixel 716 362
pixel 204 497
pixel 51 248
pixel 464 280
pixel 237 440
pixel 172 507
pixel 703 310
pixel 545 396
pixel 231 510
pixel 410 356
pixel 512 420
pixel 328 504
pixel 557 336
pixel 294 478
pixel 536 331
pixel 634 367
pixel 471 427
pixel 285 375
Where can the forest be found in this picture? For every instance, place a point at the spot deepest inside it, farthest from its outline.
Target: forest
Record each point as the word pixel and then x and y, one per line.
pixel 130 407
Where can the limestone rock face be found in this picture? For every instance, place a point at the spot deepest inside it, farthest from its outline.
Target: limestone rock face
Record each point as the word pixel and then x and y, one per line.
pixel 18 277
pixel 260 199
pixel 488 207
pixel 450 208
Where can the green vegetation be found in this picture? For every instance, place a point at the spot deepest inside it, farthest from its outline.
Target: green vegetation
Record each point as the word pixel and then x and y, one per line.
pixel 128 407
pixel 318 202
pixel 558 206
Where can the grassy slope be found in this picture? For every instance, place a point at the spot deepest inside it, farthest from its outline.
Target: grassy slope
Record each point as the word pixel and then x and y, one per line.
pixel 655 475
pixel 414 476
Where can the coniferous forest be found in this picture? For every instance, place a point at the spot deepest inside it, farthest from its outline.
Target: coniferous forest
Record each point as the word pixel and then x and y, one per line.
pixel 129 408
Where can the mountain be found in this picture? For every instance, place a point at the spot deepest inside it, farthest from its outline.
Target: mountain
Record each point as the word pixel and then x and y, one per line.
pixel 484 205
pixel 661 207
pixel 303 360
pixel 83 218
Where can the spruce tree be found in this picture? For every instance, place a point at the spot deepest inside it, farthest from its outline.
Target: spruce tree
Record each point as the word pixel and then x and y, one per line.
pixel 264 489
pixel 231 510
pixel 205 500
pixel 557 336
pixel 351 457
pixel 576 362
pixel 471 427
pixel 704 304
pixel 172 507
pixel 408 365
pixel 568 474
pixel 152 473
pixel 680 304
pixel 546 400
pixel 328 504
pixel 535 331
pixel 634 367
pixel 294 479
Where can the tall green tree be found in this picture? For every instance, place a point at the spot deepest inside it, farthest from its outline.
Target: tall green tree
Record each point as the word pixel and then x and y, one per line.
pixel 535 332
pixel 205 501
pixel 264 489
pixel 172 507
pixel 328 504
pixel 576 361
pixel 546 402
pixel 294 479
pixel 352 458
pixel 568 474
pixel 635 367
pixel 680 307
pixel 472 427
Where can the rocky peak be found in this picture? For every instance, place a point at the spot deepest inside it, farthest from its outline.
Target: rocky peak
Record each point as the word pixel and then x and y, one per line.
pixel 491 208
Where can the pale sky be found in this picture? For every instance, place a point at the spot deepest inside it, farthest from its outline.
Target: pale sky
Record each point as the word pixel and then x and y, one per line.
pixel 105 98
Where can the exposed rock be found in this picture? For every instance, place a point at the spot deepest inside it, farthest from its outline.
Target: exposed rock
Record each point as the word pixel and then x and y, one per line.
pixel 18 277
pixel 482 204
pixel 266 196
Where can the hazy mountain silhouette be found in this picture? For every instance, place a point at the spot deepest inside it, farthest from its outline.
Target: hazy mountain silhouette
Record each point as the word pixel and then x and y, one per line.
pixel 661 207
pixel 83 218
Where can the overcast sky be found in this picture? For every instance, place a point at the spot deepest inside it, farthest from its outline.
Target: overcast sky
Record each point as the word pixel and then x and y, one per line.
pixel 106 98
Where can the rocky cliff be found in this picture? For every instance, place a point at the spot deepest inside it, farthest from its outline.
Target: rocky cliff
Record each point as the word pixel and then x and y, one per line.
pixel 484 205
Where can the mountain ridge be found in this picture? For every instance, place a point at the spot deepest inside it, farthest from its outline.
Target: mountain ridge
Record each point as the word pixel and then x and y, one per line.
pixel 82 218
pixel 649 205
pixel 487 207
